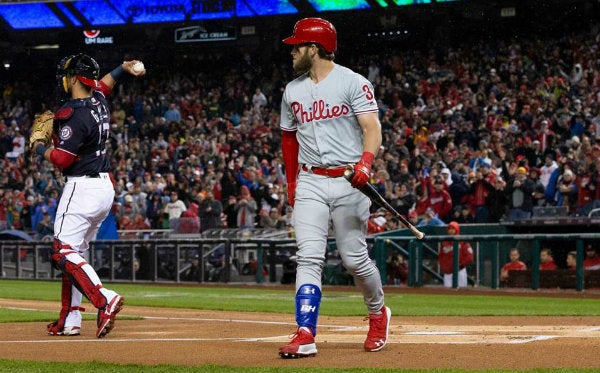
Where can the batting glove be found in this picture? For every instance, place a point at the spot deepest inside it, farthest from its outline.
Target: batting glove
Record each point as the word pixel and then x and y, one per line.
pixel 362 170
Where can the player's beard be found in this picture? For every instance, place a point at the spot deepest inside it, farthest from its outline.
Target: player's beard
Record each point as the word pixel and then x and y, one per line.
pixel 303 64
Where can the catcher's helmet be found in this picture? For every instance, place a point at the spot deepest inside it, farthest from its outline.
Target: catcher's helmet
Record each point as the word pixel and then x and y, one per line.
pixel 84 67
pixel 314 30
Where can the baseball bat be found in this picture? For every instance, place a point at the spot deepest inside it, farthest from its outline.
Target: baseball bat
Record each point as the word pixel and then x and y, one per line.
pixel 369 190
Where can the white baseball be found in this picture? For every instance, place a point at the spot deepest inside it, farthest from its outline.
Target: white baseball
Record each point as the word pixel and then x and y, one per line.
pixel 138 67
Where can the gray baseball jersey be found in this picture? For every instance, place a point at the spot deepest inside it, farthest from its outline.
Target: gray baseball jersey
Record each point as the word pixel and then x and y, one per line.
pixel 324 115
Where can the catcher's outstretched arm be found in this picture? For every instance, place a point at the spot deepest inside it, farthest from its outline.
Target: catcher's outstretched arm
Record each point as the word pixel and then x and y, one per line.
pixel 110 79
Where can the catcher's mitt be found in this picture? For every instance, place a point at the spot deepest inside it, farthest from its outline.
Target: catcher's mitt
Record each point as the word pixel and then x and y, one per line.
pixel 42 129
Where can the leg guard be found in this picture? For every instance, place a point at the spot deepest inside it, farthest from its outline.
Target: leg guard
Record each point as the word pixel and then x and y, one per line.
pixel 308 301
pixel 70 306
pixel 81 274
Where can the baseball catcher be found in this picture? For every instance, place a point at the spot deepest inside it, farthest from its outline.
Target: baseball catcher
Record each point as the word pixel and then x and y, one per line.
pixel 81 129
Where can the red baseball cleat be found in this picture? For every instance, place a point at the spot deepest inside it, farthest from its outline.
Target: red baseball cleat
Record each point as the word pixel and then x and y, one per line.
pixel 106 317
pixel 301 345
pixel 67 330
pixel 379 326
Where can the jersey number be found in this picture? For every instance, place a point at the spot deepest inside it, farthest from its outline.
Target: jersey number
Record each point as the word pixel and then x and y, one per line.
pixel 369 94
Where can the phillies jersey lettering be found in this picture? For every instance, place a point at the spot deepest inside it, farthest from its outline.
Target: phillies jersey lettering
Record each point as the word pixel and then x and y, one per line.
pixel 324 116
pixel 318 110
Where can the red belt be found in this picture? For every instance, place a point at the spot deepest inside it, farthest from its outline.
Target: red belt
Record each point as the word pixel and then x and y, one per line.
pixel 329 172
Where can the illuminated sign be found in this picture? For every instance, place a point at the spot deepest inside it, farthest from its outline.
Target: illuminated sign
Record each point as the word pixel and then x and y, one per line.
pixel 93 37
pixel 201 33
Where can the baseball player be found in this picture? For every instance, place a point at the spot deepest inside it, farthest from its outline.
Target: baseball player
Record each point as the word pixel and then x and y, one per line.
pixel 513 265
pixel 79 132
pixel 446 257
pixel 329 121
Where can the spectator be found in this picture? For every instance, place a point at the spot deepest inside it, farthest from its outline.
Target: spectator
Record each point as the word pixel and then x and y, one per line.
pixel 154 211
pixel 479 188
pixel 230 212
pixel 259 100
pixel 592 259
pixel 172 114
pixel 567 191
pixel 587 184
pixel 515 264
pixel 446 260
pixel 439 199
pixel 520 195
pixel 392 224
pixel 189 222
pixel 376 224
pixel 175 208
pixel 546 260
pixel 210 212
pixel 430 218
pixel 547 169
pixel 402 198
pixel 128 208
pixel 246 208
pixel 463 215
pixel 497 200
pixel 45 227
pixel 272 220
pixel 413 217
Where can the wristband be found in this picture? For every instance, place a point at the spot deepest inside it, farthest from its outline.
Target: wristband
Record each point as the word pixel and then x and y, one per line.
pixel 368 157
pixel 117 72
pixel 40 150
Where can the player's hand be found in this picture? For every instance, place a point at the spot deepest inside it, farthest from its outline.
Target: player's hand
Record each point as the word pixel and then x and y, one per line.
pixel 291 188
pixel 362 170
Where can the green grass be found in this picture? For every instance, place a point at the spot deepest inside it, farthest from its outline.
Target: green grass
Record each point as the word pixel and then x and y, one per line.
pixel 10 366
pixel 335 303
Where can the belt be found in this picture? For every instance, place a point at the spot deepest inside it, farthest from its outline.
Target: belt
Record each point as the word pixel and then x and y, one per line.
pixel 90 176
pixel 329 172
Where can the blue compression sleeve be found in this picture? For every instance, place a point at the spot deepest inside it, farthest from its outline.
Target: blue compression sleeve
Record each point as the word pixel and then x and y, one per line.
pixel 308 301
pixel 117 72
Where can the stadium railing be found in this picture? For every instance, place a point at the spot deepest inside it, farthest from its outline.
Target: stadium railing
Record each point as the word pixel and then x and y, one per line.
pixel 226 256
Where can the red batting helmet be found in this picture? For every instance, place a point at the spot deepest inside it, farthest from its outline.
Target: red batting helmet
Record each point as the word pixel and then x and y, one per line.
pixel 314 30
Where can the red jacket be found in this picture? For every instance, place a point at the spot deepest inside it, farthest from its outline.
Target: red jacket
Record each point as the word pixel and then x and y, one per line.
pixel 441 203
pixel 445 255
pixel 549 265
pixel 591 263
pixel 518 265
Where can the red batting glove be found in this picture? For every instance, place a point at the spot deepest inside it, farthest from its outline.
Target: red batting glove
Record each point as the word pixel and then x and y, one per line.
pixel 291 193
pixel 362 170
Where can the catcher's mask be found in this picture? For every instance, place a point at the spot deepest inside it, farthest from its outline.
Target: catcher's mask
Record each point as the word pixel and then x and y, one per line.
pixel 84 67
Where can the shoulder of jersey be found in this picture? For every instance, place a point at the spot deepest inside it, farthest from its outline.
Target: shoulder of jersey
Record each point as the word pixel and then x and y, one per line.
pixel 64 113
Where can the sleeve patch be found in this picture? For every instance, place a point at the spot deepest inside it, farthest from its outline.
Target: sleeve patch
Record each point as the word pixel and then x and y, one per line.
pixel 64 113
pixel 65 133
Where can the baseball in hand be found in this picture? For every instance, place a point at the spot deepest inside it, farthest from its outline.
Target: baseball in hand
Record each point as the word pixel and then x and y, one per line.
pixel 138 67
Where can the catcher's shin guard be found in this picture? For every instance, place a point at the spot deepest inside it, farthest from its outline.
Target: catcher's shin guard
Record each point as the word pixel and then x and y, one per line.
pixel 70 303
pixel 308 301
pixel 81 273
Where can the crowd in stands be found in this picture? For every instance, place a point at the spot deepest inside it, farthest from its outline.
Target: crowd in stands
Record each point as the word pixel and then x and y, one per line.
pixel 475 133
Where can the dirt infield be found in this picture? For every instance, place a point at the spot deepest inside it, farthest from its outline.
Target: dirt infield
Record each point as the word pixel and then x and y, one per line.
pixel 193 337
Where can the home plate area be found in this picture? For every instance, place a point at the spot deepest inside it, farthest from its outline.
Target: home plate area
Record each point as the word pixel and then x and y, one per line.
pixel 453 334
